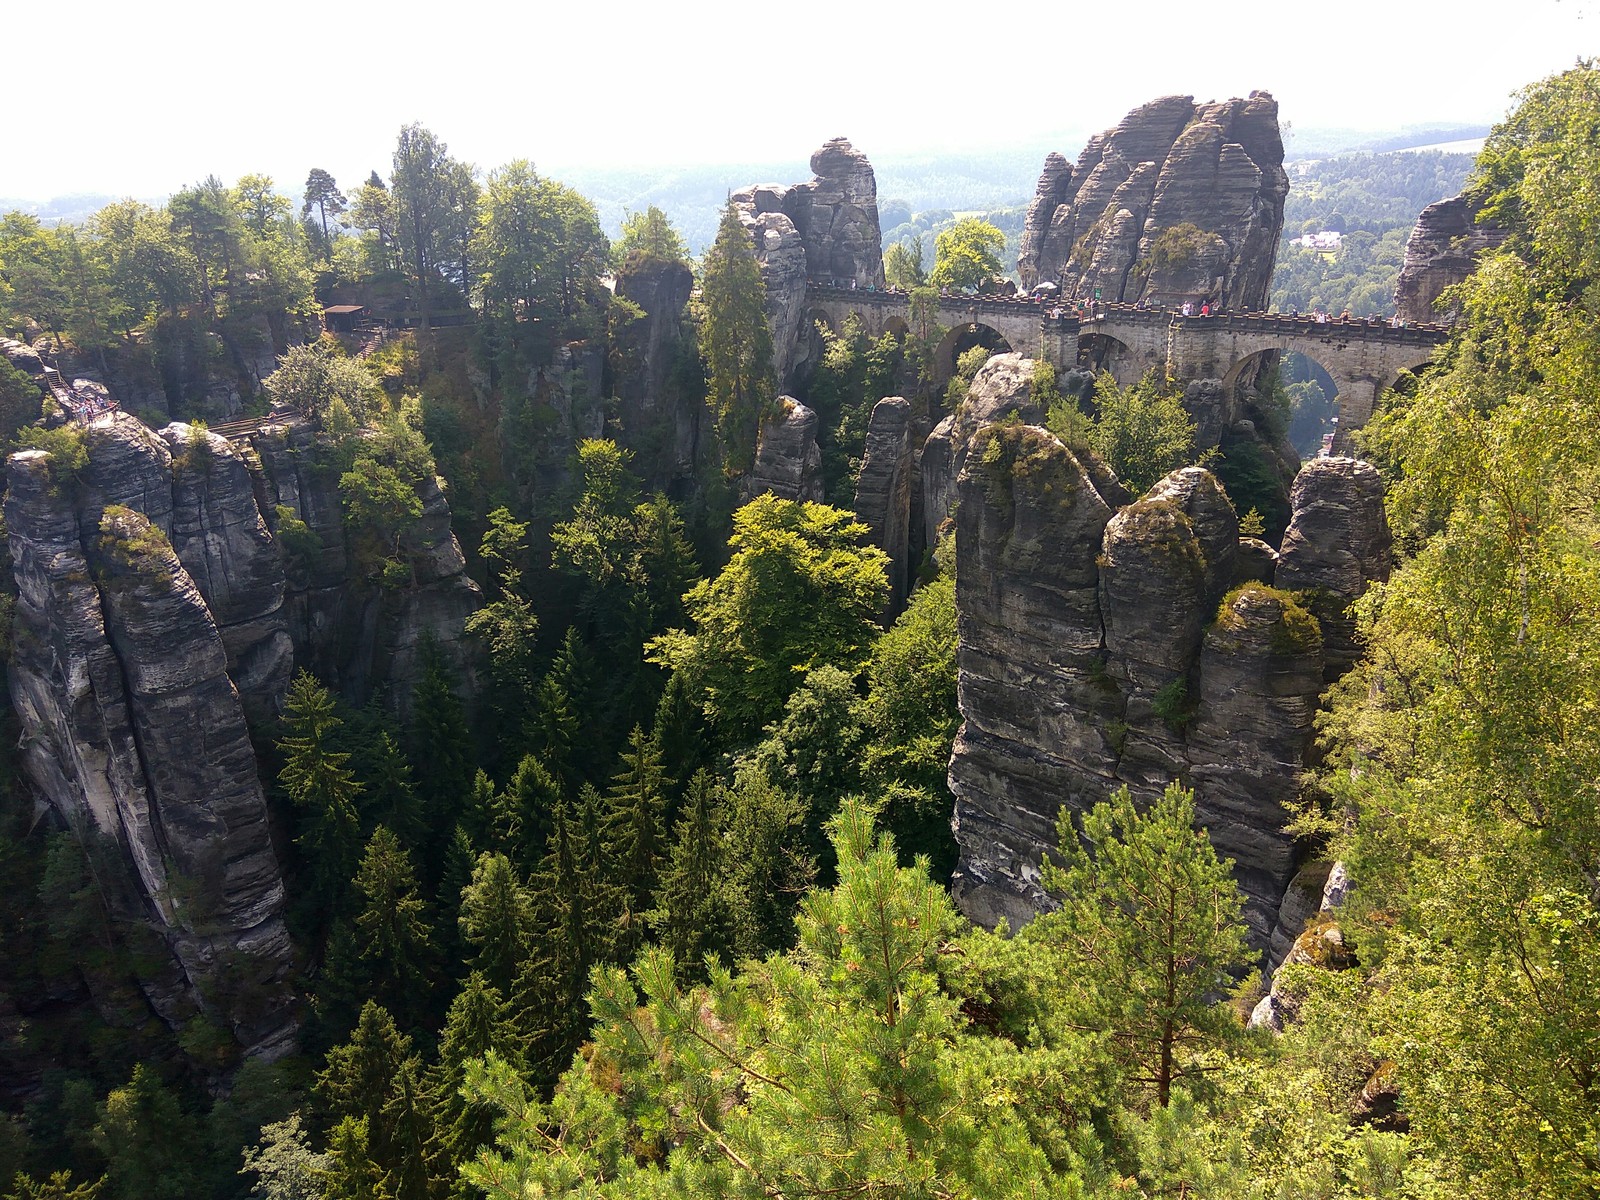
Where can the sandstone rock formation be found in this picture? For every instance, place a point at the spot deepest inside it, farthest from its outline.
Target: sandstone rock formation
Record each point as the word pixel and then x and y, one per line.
pixel 1445 245
pixel 826 230
pixel 883 487
pixel 1181 201
pixel 1002 388
pixel 135 733
pixel 1106 645
pixel 837 216
pixel 360 640
pixel 1337 544
pixel 788 463
pixel 659 424
pixel 156 605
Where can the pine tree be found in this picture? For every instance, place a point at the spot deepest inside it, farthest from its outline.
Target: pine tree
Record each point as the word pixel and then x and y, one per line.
pixel 1149 921
pixel 396 940
pixel 695 914
pixel 460 856
pixel 327 796
pixel 735 339
pixel 496 919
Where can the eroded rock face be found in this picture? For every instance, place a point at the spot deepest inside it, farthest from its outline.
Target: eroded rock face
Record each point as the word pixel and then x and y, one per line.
pixel 222 539
pixel 136 734
pixel 781 255
pixel 656 422
pixel 363 640
pixel 826 229
pixel 1037 706
pixel 837 216
pixel 1445 245
pixel 883 488
pixel 1103 647
pixel 1181 201
pixel 1336 546
pixel 1002 388
pixel 156 605
pixel 788 463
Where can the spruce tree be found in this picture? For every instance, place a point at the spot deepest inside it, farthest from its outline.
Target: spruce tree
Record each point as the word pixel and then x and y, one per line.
pixel 441 746
pixel 524 810
pixel 735 340
pixel 479 1021
pixel 396 939
pixel 376 1078
pixel 327 797
pixel 496 920
pixel 695 914
pixel 635 821
pixel 391 795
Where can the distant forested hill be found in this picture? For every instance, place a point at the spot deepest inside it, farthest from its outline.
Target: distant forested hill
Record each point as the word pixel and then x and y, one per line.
pixel 1373 199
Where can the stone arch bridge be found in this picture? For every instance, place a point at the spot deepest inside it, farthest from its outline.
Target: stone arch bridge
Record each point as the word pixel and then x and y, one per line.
pixel 1364 357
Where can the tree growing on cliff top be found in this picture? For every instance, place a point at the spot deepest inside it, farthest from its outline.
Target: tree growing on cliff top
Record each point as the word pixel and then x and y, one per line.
pixel 649 237
pixel 735 340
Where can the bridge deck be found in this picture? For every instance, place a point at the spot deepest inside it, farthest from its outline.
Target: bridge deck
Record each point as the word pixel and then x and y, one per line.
pixel 1056 315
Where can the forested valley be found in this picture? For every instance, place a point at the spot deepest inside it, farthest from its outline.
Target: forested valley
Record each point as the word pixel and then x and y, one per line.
pixel 640 888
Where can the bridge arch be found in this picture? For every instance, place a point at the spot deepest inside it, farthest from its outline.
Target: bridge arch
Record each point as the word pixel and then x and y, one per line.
pixel 961 338
pixel 1099 351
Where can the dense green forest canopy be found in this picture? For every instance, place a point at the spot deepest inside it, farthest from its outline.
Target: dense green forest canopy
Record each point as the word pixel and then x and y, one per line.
pixel 662 912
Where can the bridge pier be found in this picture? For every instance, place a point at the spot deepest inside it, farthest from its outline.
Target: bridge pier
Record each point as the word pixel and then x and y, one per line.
pixel 1356 400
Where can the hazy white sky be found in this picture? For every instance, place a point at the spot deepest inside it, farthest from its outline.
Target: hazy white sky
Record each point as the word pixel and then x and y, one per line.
pixel 141 98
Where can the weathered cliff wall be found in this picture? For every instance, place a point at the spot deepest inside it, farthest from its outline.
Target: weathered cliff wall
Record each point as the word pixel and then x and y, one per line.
pixel 1444 248
pixel 825 229
pixel 1181 201
pixel 1106 644
pixel 157 606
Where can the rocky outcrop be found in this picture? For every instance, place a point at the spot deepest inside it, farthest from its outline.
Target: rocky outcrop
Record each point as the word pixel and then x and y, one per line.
pixel 1002 388
pixel 837 216
pixel 221 537
pixel 1445 245
pixel 655 418
pixel 826 229
pixel 1181 201
pixel 1037 704
pixel 165 588
pixel 135 734
pixel 788 463
pixel 1133 645
pixel 1336 546
pixel 883 487
pixel 781 255
pixel 360 639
